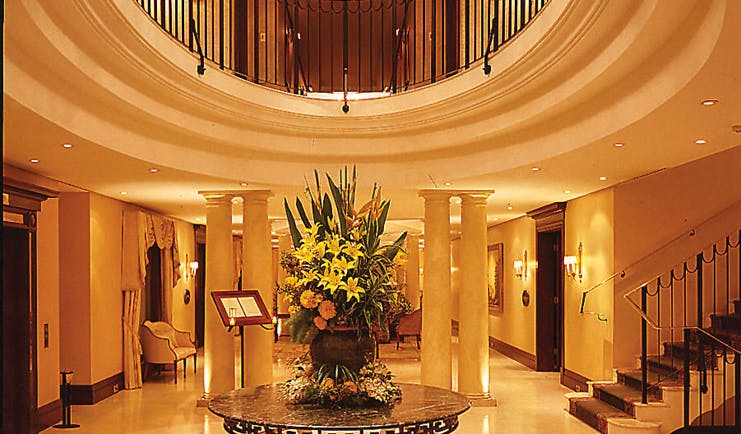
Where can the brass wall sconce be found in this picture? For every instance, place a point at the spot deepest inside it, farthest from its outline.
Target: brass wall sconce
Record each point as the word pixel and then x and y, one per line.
pixel 191 267
pixel 573 265
pixel 521 267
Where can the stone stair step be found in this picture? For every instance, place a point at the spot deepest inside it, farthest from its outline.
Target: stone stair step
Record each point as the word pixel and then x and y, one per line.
pixel 620 396
pixel 632 378
pixel 676 350
pixel 594 412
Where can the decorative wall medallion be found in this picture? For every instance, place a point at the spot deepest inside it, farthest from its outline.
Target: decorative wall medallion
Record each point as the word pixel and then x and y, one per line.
pixel 525 298
pixel 186 296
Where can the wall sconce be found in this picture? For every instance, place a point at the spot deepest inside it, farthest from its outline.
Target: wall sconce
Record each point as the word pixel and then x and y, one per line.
pixel 573 265
pixel 191 267
pixel 521 267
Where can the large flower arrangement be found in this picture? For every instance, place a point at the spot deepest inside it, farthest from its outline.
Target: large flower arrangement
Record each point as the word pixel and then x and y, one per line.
pixel 340 276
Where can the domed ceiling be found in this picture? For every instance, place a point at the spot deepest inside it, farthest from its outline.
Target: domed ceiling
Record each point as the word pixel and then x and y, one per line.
pixel 542 127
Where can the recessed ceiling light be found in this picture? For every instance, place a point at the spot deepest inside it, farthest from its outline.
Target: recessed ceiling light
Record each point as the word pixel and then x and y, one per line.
pixel 124 193
pixel 709 102
pixel 700 141
pixel 509 206
pixel 448 184
pixel 495 218
pixel 67 145
pixel 243 184
pixel 603 178
pixel 618 144
pixel 535 169
pixel 567 191
pixel 154 170
pixel 34 160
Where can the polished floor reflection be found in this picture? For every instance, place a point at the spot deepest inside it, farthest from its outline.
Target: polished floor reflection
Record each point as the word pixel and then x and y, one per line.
pixel 527 401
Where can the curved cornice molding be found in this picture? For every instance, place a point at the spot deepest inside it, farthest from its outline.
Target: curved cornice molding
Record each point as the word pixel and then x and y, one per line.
pixel 582 69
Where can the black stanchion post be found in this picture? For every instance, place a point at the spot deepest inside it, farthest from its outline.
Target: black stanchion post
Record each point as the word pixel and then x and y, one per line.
pixel 65 392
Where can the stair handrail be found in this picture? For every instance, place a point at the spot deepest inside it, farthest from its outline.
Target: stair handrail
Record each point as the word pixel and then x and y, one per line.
pixel 623 273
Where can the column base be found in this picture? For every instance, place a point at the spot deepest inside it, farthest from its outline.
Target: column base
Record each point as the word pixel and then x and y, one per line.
pixel 203 400
pixel 481 399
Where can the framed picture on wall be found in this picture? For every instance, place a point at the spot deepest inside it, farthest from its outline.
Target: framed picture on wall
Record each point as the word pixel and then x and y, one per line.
pixel 495 279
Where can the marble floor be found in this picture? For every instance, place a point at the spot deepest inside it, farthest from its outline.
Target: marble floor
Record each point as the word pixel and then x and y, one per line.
pixel 527 401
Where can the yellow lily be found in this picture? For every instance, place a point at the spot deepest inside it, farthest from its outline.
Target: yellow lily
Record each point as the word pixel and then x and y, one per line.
pixel 353 250
pixel 353 290
pixel 309 276
pixel 331 281
pixel 334 245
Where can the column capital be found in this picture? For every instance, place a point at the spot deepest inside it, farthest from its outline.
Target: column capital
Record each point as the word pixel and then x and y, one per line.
pixel 255 196
pixel 216 197
pixel 436 195
pixel 475 197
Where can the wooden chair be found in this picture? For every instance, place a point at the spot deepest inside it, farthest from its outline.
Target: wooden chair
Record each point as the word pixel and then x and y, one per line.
pixel 163 344
pixel 409 325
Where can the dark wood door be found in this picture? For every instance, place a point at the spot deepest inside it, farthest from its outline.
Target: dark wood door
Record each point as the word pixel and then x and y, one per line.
pixel 18 385
pixel 549 295
pixel 200 291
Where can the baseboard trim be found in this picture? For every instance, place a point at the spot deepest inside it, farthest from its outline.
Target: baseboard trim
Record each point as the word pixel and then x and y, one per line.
pixel 514 353
pixel 48 414
pixel 574 381
pixel 89 394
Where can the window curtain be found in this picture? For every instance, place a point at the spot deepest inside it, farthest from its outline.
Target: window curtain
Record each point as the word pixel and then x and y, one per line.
pixel 140 232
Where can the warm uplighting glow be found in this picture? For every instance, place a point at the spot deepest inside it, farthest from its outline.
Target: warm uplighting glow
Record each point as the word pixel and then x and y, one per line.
pixel 34 160
pixel 700 141
pixel 573 265
pixel 709 102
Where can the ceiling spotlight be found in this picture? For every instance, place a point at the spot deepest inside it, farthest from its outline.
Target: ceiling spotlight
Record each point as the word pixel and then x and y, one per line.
pixel 243 184
pixel 509 206
pixel 567 191
pixel 603 178
pixel 618 145
pixel 709 102
pixel 700 141
pixel 448 184
pixel 124 193
pixel 34 160
pixel 67 145
pixel 535 169
pixel 154 170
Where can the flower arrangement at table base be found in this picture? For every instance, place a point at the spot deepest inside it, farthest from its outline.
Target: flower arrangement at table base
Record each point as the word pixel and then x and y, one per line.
pixel 341 289
pixel 339 386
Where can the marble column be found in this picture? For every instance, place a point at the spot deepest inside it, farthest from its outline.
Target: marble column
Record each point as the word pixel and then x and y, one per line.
pixel 218 364
pixel 473 357
pixel 436 316
pixel 284 245
pixel 257 273
pixel 412 273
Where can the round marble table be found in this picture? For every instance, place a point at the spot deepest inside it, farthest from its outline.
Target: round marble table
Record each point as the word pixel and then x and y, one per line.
pixel 422 410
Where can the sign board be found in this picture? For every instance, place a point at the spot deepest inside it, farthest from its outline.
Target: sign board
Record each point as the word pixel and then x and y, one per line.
pixel 241 308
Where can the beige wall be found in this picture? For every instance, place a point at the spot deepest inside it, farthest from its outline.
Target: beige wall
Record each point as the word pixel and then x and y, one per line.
pixel 516 325
pixel 48 301
pixel 106 307
pixel 654 210
pixel 588 342
pixel 455 278
pixel 74 285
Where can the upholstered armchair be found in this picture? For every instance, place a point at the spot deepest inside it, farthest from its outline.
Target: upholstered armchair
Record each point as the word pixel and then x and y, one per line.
pixel 163 344
pixel 409 325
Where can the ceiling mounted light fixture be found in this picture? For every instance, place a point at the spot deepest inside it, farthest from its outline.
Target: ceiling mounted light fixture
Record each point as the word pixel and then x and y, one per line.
pixel 243 184
pixel 567 191
pixel 603 178
pixel 709 102
pixel 154 170
pixel 509 206
pixel 124 193
pixel 535 169
pixel 448 184
pixel 618 144
pixel 700 141
pixel 34 160
pixel 67 145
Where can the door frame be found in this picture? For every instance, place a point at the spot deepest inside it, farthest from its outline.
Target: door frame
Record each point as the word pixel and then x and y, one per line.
pixel 550 218
pixel 21 202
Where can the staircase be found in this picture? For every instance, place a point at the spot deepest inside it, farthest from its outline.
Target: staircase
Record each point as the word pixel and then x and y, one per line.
pixel 693 377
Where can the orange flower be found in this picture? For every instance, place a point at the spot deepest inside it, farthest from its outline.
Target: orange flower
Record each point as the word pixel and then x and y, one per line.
pixel 327 309
pixel 351 386
pixel 320 323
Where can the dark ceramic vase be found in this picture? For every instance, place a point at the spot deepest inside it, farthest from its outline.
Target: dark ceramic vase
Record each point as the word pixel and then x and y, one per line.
pixel 342 347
